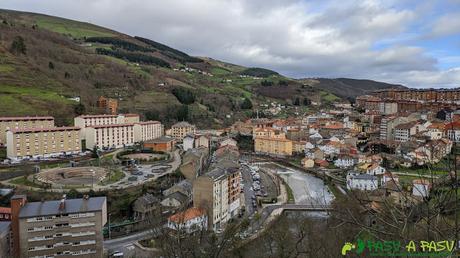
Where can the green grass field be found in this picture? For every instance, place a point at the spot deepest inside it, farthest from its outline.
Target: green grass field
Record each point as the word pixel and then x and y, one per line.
pixel 73 28
pixel 6 68
pixel 18 100
pixel 24 181
pixel 114 176
pixel 328 97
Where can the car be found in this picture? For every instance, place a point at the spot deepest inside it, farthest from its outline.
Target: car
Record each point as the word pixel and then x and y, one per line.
pixel 117 254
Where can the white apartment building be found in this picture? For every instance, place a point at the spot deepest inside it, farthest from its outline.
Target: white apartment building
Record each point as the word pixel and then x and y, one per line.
pixel 145 131
pixel 109 136
pixel 84 121
pixel 26 122
pixel 43 142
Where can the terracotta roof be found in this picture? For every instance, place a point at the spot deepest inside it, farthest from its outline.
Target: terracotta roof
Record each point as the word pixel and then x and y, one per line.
pixel 97 116
pixel 408 125
pixel 149 122
pixel 26 118
pixel 455 125
pixel 5 210
pixel 51 129
pixel 439 126
pixel 273 139
pixel 130 115
pixel 187 215
pixel 109 126
pixel 335 125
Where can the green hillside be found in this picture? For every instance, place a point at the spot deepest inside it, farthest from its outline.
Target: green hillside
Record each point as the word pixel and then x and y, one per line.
pixel 45 61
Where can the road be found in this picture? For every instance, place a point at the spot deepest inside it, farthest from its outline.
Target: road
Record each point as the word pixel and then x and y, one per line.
pixel 118 243
pixel 248 193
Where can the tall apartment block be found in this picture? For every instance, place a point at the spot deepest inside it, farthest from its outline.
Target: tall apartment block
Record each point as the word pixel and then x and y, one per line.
pixel 210 192
pixel 43 142
pixel 109 136
pixel 10 123
pixel 59 228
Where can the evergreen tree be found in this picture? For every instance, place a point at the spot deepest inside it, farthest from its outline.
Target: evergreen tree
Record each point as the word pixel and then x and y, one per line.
pixel 18 46
pixel 247 104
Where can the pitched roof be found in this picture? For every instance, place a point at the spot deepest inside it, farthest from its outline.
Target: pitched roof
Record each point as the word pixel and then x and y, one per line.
pixel 182 198
pixel 51 129
pixel 26 118
pixel 147 198
pixel 5 210
pixel 187 215
pixel 182 124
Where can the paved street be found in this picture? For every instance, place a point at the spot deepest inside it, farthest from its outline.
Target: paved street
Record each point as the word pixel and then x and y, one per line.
pixel 125 244
pixel 248 193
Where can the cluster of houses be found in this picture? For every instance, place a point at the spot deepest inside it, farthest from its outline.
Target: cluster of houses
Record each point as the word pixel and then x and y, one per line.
pixel 209 194
pixel 193 70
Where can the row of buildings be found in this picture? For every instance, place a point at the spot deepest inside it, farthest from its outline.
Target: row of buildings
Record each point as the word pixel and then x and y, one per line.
pixel 214 178
pixel 35 137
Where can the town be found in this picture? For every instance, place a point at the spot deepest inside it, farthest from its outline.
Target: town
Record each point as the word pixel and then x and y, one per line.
pixel 113 184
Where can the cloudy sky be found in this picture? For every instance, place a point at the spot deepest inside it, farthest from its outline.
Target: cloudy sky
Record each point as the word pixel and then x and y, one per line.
pixel 413 42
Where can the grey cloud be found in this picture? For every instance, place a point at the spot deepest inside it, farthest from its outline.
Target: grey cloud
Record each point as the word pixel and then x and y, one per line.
pixel 297 38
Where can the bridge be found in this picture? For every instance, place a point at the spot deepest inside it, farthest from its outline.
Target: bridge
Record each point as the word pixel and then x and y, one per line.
pixel 306 207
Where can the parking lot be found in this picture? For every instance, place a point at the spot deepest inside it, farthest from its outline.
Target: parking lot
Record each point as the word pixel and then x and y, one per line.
pixel 257 185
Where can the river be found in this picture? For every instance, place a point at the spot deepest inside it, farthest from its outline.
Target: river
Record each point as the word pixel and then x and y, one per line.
pixel 306 188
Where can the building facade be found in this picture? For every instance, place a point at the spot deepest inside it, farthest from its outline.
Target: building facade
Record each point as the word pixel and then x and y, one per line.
pixel 210 192
pixel 108 105
pixel 109 136
pixel 145 131
pixel 60 228
pixel 181 129
pixel 43 142
pixel 273 146
pixel 27 122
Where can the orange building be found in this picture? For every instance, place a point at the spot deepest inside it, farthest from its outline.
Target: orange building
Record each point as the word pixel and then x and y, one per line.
pixel 163 144
pixel 108 104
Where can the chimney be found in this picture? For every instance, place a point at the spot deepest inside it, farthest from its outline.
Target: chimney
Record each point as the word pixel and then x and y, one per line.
pixel 17 202
pixel 62 204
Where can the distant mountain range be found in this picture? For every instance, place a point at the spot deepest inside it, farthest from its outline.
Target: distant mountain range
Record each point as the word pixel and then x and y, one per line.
pixel 46 61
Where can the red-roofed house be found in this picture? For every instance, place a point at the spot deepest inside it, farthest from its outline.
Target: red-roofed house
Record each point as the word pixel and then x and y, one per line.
pixel 5 214
pixel 191 220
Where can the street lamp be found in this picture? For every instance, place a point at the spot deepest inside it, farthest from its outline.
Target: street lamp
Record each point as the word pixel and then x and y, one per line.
pixel 93 173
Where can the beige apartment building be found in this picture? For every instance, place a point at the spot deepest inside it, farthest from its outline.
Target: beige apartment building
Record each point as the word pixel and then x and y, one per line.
pixel 181 129
pixel 145 131
pixel 109 136
pixel 43 142
pixel 211 192
pixel 10 123
pixel 59 228
pixel 84 121
pixel 273 146
pixel 119 135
